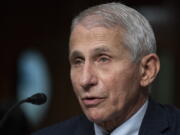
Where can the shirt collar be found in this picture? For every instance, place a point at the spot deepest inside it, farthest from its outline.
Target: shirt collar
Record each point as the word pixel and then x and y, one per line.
pixel 129 127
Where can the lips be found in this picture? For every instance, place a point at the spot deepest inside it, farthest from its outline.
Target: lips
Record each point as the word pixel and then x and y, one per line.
pixel 92 101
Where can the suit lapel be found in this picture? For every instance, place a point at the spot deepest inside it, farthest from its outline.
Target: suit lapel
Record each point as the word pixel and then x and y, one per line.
pixel 155 120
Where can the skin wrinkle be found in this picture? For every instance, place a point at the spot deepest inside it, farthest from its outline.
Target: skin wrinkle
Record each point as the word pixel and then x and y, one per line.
pixel 120 27
pixel 118 34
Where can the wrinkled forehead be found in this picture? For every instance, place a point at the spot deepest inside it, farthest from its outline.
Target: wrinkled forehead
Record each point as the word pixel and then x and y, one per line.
pixel 95 40
pixel 95 20
pixel 81 33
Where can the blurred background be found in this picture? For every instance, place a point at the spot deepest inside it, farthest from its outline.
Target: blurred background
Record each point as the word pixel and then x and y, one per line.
pixel 34 57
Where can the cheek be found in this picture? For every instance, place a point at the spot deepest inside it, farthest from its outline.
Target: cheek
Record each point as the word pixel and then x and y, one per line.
pixel 113 86
pixel 74 82
pixel 74 77
pixel 115 83
pixel 120 88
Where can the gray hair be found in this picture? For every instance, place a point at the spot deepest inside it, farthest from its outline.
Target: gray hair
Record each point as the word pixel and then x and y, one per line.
pixel 138 36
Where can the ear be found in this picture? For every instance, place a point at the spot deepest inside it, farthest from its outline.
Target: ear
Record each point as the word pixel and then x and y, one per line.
pixel 149 68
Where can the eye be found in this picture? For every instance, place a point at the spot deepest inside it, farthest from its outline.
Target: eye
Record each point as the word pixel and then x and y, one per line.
pixel 103 59
pixel 77 61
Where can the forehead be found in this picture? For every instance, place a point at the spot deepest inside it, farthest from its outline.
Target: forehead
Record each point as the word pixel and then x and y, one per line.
pixel 90 37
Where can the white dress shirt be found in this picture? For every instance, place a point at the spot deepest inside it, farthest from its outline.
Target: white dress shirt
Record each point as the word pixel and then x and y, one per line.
pixel 129 127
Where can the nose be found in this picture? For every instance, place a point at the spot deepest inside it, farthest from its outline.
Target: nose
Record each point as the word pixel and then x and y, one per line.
pixel 88 77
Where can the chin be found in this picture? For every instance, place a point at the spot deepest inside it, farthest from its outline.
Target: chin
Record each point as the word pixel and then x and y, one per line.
pixel 96 116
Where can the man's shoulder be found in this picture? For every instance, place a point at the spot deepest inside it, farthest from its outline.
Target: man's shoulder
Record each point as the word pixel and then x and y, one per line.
pixel 173 114
pixel 67 127
pixel 161 118
pixel 170 111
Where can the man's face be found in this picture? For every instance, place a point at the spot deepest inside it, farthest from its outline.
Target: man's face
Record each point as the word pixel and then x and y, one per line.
pixel 104 78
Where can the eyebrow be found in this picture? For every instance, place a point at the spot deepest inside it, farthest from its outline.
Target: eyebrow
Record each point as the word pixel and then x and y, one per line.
pixel 97 50
pixel 101 50
pixel 75 54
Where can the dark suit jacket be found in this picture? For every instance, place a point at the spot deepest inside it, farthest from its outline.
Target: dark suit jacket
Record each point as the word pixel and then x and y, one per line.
pixel 159 120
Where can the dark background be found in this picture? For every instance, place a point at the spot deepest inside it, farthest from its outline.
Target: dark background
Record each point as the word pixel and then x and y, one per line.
pixel 45 26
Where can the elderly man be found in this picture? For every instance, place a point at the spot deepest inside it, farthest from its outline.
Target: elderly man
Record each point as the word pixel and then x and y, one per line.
pixel 112 52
